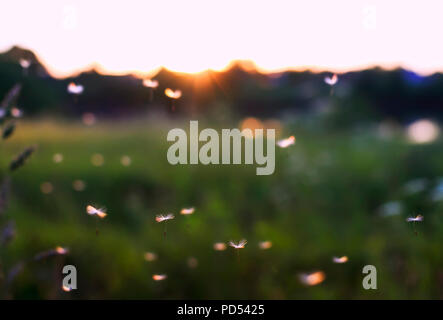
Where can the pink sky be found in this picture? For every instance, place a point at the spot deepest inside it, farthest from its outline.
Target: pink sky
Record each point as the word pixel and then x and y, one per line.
pixel 194 35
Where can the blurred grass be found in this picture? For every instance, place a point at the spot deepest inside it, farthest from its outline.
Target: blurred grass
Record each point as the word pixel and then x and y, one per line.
pixel 322 201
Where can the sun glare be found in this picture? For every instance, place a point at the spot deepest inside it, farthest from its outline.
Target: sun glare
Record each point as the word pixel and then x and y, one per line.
pixel 285 35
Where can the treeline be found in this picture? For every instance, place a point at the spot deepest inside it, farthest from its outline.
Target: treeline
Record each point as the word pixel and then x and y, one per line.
pixel 399 94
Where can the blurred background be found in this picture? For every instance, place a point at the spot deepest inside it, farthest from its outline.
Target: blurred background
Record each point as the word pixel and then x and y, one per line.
pixel 367 154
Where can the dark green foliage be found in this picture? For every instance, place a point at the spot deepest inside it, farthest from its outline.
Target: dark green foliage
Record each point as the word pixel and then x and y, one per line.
pixel 322 201
pixel 8 130
pixel 4 192
pixel 21 158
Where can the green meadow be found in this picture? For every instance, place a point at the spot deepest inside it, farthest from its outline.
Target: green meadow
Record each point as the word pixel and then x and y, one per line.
pixel 324 199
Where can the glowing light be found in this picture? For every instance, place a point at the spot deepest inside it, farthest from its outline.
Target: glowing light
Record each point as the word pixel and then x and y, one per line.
pixel 331 80
pixel 159 277
pixel 66 289
pixel 75 89
pixel 78 185
pixel 214 43
pixel 25 63
pixel 219 246
pixel 192 262
pixel 273 124
pixel 61 250
pixel 286 142
pixel 423 131
pixel 150 83
pixel 57 158
pixel 16 112
pixel 97 160
pixel 173 94
pixel 343 259
pixel 264 245
pixel 312 279
pixel 150 256
pixel 251 123
pixel 46 187
pixel 88 118
pixel 186 211
pixel 125 161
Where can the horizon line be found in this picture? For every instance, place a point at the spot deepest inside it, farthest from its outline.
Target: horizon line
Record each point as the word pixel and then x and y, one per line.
pixel 248 65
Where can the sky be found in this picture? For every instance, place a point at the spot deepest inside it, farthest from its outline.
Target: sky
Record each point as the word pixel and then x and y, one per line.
pixel 140 36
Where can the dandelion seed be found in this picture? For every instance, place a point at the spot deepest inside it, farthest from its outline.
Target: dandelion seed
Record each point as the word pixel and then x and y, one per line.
pixel 331 80
pixel 97 160
pixel 187 211
pixel 25 64
pixel 96 212
pixel 286 142
pixel 61 250
pixel 159 277
pixel 57 158
pixel 52 252
pixel 343 259
pixel 192 262
pixel 150 83
pixel 88 119
pixel 79 185
pixel 46 188
pixel 219 246
pixel 264 245
pixel 100 213
pixel 418 218
pixel 240 245
pixel 161 218
pixel 150 256
pixel 312 279
pixel 75 89
pixel 125 161
pixel 173 94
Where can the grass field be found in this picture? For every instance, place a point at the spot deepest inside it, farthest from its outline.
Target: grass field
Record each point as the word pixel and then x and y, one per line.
pixel 323 200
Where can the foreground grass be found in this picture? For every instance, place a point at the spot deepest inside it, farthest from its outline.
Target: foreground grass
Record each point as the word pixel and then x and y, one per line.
pixel 323 200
